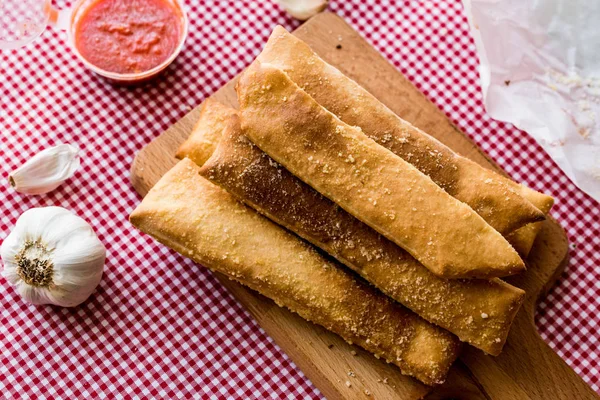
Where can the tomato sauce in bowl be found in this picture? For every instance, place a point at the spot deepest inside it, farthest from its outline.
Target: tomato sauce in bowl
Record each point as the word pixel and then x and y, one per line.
pixel 128 40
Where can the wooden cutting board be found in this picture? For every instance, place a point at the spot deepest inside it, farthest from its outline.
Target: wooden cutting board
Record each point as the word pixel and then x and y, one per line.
pixel 527 368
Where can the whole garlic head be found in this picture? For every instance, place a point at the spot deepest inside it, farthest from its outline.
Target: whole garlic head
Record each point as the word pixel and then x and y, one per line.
pixel 303 9
pixel 53 257
pixel 45 171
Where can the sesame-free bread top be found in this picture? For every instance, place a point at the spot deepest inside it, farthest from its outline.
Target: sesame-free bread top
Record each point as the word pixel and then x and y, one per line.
pixel 206 134
pixel 523 238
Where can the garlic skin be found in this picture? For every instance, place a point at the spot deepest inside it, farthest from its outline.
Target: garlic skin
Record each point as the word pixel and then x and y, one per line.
pixel 46 171
pixel 303 9
pixel 53 257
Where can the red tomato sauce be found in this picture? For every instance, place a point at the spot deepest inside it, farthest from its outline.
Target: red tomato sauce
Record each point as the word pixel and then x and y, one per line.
pixel 128 36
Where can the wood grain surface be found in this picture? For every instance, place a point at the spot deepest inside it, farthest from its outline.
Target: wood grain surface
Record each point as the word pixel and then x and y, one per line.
pixel 527 368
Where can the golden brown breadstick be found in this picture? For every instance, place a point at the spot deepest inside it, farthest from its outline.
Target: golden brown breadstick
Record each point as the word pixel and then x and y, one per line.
pixel 204 137
pixel 203 222
pixel 369 181
pixel 459 306
pixel 497 199
pixel 522 239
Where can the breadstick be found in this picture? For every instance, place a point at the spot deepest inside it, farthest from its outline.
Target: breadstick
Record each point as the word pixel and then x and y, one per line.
pixel 497 199
pixel 253 177
pixel 369 181
pixel 201 221
pixel 523 238
pixel 204 137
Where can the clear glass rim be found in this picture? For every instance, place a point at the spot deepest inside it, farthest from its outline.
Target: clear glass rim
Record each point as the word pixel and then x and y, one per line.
pixel 18 43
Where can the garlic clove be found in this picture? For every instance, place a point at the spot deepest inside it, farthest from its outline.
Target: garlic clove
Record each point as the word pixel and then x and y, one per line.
pixel 53 257
pixel 303 9
pixel 46 171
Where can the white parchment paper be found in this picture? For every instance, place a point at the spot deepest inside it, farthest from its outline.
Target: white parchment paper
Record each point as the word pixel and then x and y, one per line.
pixel 540 70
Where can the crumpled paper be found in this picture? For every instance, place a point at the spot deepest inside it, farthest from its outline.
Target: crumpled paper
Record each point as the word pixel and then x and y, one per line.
pixel 540 70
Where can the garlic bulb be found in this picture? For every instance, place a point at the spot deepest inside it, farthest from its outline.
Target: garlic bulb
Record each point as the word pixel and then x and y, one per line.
pixel 303 9
pixel 46 170
pixel 53 257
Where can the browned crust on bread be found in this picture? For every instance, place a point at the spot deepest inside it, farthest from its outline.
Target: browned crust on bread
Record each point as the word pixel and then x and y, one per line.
pixel 523 238
pixel 204 137
pixel 201 221
pixel 500 201
pixel 369 181
pixel 252 176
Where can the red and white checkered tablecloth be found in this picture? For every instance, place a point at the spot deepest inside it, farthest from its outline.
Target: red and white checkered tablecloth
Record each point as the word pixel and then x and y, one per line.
pixel 160 326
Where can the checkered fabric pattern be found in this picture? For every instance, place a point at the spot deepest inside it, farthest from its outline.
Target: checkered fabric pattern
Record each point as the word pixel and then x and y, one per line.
pixel 160 326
